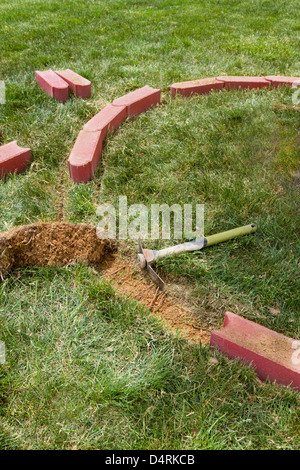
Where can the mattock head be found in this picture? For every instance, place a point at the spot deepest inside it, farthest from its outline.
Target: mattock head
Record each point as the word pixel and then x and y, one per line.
pixel 145 257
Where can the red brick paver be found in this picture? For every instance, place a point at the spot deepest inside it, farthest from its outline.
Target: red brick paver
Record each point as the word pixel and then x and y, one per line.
pixel 81 86
pixel 272 355
pixel 139 100
pixel 52 84
pixel 13 159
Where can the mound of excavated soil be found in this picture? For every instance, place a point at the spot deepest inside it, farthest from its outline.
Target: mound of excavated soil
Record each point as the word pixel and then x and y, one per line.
pixel 51 244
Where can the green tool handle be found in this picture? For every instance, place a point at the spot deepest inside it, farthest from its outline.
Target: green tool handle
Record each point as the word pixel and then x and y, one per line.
pixel 236 232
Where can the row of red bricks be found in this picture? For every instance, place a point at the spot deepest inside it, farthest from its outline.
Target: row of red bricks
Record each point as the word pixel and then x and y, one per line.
pixel 88 146
pixel 206 85
pixel 57 84
pixel 87 150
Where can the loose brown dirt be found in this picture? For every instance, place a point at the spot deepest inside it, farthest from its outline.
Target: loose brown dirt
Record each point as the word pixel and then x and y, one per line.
pixel 51 244
pixel 63 244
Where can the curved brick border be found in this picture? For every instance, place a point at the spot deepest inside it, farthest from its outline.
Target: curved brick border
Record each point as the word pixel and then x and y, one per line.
pixel 87 150
pixel 88 146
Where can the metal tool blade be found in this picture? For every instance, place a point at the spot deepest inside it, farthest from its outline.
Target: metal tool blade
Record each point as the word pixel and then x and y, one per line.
pixel 155 277
pixel 140 246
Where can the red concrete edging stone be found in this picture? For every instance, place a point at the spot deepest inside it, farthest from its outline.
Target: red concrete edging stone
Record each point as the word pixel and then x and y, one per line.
pixel 139 100
pixel 201 87
pixel 13 159
pixel 234 83
pixel 272 354
pixel 278 80
pixel 85 155
pixel 53 84
pixel 109 118
pixel 81 86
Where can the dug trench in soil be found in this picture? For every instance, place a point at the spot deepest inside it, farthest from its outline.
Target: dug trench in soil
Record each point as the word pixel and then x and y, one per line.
pixel 63 244
pixel 127 278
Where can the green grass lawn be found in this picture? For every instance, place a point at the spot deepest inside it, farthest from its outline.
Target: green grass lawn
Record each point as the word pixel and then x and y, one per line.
pixel 87 369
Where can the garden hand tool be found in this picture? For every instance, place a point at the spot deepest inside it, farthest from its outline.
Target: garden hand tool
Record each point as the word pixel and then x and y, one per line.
pixel 147 258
